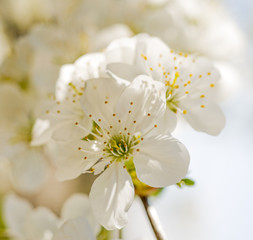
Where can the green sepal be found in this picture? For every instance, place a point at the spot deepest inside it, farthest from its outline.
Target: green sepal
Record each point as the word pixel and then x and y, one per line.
pixel 104 234
pixel 141 189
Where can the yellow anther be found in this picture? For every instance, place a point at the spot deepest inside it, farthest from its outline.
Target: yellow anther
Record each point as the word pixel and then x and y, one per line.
pixel 186 92
pixel 190 75
pixel 202 96
pixel 211 85
pixel 189 82
pixel 151 69
pixel 171 51
pixel 144 57
pixel 167 83
pixel 185 84
pixel 208 73
pixel 184 112
pixel 200 76
pixel 185 55
pixel 202 106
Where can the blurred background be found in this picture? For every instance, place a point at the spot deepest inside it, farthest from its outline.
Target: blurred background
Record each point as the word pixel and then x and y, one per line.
pixel 37 37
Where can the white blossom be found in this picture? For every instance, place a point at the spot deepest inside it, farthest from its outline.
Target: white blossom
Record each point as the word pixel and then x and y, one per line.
pixel 27 165
pixel 128 120
pixel 190 81
pixel 40 223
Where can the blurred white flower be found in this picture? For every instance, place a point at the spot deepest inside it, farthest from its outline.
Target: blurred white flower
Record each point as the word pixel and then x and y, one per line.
pixel 190 82
pixel 128 126
pixel 196 26
pixel 28 223
pixel 28 165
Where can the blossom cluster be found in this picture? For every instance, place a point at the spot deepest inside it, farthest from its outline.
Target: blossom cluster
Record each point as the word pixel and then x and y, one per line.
pixel 91 93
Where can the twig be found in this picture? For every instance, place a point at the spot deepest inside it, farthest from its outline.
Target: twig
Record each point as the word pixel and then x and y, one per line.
pixel 153 219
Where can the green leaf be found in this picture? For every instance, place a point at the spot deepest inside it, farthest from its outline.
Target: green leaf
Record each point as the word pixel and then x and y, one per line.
pixel 185 181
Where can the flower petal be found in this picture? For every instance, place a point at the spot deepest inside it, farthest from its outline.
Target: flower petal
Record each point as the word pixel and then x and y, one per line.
pixel 70 161
pixel 142 101
pixel 76 229
pixel 206 116
pixel 162 161
pixel 111 196
pixel 121 50
pixel 79 205
pixel 30 170
pixel 15 210
pixel 123 71
pixel 100 97
pixel 41 224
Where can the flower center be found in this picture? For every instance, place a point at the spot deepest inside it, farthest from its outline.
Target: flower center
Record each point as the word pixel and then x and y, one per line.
pixel 120 146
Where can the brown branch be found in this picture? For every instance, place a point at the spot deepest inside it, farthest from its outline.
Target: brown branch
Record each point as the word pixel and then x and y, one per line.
pixel 153 219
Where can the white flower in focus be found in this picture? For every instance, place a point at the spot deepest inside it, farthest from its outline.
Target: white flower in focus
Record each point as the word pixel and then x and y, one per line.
pixel 190 82
pixel 128 126
pixel 28 223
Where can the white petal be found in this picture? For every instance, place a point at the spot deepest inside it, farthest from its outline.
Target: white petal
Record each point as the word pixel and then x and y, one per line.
pixel 40 133
pixel 70 161
pixel 124 71
pixel 121 50
pixel 75 229
pixel 62 124
pixel 156 52
pixel 162 161
pixel 90 65
pixel 111 196
pixel 75 206
pixel 79 205
pixel 65 77
pixel 145 99
pixel 209 119
pixel 100 97
pixel 166 124
pixel 30 170
pixel 41 224
pixel 15 210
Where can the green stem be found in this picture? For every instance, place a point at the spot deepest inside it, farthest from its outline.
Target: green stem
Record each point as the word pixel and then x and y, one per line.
pixel 153 219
